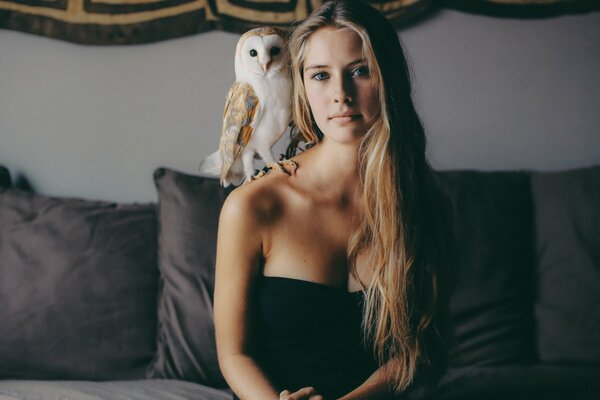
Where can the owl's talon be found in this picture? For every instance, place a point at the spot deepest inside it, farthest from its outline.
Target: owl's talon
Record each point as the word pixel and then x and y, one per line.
pixel 274 165
pixel 290 163
pixel 257 174
pixel 280 164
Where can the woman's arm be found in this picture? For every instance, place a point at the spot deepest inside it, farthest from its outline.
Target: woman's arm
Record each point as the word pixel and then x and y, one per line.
pixel 239 248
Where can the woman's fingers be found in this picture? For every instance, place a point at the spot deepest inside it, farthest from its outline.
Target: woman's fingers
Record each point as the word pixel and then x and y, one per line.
pixel 307 393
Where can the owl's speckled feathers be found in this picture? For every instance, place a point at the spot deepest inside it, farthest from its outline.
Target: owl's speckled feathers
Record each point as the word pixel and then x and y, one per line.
pixel 258 106
pixel 240 108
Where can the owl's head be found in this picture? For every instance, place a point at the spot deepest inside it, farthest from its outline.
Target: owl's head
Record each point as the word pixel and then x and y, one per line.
pixel 260 52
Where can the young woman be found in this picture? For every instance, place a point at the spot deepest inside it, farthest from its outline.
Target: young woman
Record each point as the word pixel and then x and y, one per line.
pixel 328 276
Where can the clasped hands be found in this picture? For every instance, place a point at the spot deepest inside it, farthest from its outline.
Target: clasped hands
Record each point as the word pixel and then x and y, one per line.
pixel 307 393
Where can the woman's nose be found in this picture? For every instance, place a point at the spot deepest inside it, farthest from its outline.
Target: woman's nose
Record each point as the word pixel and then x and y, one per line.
pixel 343 91
pixel 343 98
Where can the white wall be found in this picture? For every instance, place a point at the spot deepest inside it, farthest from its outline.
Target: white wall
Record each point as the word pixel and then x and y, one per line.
pixel 94 122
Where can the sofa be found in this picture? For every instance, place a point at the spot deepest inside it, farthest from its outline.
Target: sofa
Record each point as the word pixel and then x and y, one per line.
pixel 102 300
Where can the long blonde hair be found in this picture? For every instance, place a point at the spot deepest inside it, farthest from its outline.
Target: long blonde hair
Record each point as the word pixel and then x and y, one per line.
pixel 402 320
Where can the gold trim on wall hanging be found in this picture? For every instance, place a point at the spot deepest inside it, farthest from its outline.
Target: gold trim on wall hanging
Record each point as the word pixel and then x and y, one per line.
pixel 111 22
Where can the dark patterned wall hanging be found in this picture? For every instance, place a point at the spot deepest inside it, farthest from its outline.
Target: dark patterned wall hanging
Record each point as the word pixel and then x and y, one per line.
pixel 144 21
pixel 522 8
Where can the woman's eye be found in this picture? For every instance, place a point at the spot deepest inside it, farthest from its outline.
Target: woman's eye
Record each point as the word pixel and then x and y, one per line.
pixel 253 53
pixel 319 76
pixel 360 71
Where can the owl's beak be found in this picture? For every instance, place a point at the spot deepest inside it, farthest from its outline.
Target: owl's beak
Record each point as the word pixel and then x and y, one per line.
pixel 265 66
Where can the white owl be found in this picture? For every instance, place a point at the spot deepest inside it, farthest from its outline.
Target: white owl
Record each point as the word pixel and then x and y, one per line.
pixel 258 107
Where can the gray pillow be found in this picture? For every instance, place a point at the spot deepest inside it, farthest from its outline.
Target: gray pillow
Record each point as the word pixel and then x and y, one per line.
pixel 491 307
pixel 188 213
pixel 78 284
pixel 567 220
pixel 4 177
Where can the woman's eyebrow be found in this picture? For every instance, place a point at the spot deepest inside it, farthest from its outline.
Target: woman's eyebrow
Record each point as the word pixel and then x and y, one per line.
pixel 316 67
pixel 359 61
pixel 319 66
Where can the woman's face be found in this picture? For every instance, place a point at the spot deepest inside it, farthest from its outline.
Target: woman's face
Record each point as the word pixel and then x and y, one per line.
pixel 342 93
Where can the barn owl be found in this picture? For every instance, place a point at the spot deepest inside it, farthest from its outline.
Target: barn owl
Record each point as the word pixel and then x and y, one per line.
pixel 258 107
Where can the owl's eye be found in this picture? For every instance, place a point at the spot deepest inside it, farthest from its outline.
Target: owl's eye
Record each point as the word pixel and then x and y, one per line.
pixel 275 50
pixel 253 53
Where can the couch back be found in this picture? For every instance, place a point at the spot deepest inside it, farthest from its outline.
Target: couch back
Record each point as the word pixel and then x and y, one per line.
pixel 97 290
pixel 492 303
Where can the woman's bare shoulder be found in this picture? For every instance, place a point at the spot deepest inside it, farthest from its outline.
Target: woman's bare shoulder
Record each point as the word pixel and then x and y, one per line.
pixel 259 200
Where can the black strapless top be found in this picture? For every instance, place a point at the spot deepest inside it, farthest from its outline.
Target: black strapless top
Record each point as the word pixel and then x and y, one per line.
pixel 309 334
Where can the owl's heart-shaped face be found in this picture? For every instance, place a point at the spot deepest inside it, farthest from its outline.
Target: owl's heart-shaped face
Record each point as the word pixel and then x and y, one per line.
pixel 263 55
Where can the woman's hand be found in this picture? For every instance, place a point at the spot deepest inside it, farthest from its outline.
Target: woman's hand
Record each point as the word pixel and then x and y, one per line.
pixel 307 393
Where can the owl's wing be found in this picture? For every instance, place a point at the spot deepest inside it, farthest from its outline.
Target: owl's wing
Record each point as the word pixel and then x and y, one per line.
pixel 240 108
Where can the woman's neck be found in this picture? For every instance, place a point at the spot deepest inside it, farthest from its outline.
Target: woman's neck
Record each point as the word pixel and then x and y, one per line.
pixel 331 168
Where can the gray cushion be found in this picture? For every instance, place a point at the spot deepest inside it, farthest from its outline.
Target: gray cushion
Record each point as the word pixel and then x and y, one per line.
pixel 78 284
pixel 492 304
pixel 145 389
pixel 567 206
pixel 4 177
pixel 188 213
pixel 530 382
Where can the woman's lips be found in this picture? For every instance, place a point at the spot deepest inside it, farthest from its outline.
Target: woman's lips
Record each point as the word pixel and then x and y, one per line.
pixel 345 117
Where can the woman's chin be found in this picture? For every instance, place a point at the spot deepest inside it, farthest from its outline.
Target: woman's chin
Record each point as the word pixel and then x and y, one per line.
pixel 346 137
